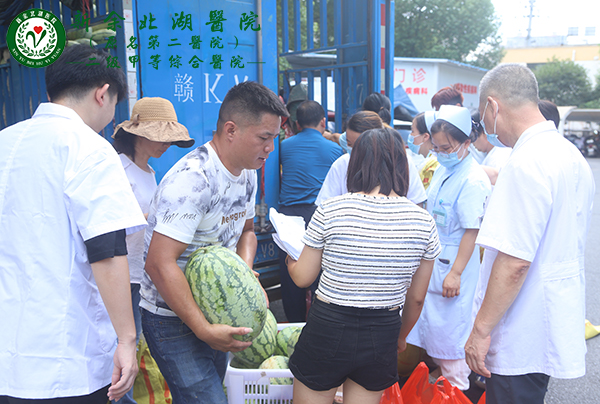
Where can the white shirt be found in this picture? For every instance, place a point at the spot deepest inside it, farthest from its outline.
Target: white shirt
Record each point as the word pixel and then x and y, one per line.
pixel 497 157
pixel 60 184
pixel 143 185
pixel 200 203
pixel 539 212
pixel 335 183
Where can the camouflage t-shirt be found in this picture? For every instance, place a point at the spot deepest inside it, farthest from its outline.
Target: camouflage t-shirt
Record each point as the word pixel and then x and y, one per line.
pixel 200 203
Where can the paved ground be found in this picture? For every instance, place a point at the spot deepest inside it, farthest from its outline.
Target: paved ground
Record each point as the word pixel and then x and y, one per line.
pixel 585 390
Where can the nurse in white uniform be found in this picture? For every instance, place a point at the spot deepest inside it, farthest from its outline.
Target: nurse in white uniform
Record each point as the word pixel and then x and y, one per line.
pixel 456 200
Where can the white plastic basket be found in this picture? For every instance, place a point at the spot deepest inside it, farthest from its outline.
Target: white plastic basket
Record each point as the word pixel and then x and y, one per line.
pixel 252 386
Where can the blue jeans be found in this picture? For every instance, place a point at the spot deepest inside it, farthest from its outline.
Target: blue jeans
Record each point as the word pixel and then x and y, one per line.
pixel 193 370
pixel 137 318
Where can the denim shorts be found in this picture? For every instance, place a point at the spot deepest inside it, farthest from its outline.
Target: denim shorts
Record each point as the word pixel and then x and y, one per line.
pixel 193 370
pixel 340 342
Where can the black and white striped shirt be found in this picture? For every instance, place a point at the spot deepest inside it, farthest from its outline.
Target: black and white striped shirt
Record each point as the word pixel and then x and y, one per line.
pixel 372 246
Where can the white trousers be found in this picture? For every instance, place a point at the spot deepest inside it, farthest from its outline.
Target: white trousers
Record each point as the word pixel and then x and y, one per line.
pixel 456 371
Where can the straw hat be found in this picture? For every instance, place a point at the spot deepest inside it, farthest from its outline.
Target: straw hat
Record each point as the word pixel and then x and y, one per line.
pixel 155 119
pixel 457 116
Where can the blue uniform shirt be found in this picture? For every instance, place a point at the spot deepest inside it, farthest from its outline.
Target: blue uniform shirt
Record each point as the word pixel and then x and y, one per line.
pixel 305 161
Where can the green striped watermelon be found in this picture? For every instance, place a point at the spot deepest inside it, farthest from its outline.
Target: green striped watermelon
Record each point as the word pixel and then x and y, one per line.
pixel 293 340
pixel 262 346
pixel 226 290
pixel 241 364
pixel 283 338
pixel 277 362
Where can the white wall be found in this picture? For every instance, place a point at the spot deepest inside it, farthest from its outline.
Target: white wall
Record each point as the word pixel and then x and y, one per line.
pixel 422 79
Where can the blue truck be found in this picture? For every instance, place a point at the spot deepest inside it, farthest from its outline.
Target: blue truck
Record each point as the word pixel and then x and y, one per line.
pixel 193 51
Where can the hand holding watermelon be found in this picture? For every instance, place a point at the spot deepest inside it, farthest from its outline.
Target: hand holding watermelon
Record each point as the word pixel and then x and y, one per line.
pixel 220 337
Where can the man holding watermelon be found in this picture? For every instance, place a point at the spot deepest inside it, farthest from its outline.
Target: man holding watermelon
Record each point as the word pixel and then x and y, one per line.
pixel 65 204
pixel 207 198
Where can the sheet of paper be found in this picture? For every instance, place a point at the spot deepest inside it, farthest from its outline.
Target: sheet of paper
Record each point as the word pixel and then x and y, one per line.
pixel 289 232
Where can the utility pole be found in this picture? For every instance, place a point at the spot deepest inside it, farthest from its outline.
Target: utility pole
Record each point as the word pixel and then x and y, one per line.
pixel 530 17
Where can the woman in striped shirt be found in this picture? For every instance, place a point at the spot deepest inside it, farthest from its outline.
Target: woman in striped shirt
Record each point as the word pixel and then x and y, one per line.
pixel 376 250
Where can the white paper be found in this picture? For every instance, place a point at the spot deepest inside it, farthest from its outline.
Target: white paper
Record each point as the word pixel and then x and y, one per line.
pixel 289 232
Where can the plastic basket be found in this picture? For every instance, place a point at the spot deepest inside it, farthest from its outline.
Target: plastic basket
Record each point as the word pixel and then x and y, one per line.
pixel 252 386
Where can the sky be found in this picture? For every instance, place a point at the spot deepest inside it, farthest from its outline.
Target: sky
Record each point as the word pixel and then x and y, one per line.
pixel 551 17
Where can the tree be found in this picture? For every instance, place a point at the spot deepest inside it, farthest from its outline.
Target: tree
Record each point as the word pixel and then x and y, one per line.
pixel 563 82
pixel 464 30
pixel 595 95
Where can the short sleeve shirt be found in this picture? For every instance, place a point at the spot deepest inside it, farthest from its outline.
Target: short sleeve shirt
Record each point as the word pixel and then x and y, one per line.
pixel 372 247
pixel 336 184
pixel 143 185
pixel 199 203
pixel 60 184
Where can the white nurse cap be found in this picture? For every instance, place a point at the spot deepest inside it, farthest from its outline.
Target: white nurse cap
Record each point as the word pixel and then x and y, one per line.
pixel 429 120
pixel 457 116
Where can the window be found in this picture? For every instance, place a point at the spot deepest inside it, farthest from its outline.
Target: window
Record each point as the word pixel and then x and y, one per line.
pixel 573 31
pixel 590 31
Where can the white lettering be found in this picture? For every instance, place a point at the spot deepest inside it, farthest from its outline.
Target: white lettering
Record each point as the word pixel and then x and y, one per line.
pixel 212 89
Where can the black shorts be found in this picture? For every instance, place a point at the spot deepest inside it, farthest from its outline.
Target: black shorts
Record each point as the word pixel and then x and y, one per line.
pixel 341 342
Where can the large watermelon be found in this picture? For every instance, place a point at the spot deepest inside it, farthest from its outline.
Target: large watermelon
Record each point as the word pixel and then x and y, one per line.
pixel 226 290
pixel 283 338
pixel 277 362
pixel 262 346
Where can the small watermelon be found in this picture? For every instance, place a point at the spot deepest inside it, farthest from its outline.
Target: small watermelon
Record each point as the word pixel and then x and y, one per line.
pixel 293 340
pixel 277 362
pixel 241 364
pixel 262 346
pixel 226 290
pixel 283 338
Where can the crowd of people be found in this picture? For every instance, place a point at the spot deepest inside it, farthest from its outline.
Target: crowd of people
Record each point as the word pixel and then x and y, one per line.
pixel 453 241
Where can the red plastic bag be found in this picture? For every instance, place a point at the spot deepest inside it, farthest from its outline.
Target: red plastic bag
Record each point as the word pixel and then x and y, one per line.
pixel 418 390
pixel 482 399
pixel 392 395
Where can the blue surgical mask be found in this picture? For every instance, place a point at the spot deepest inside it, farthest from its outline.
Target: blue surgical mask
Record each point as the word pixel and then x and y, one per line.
pixel 491 137
pixel 411 145
pixel 449 160
pixel 344 143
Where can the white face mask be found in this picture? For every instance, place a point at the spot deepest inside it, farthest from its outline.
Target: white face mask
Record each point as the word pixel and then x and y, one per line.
pixel 491 137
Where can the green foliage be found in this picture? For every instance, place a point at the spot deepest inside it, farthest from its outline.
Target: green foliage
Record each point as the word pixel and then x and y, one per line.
pixel 465 31
pixel 564 82
pixel 595 95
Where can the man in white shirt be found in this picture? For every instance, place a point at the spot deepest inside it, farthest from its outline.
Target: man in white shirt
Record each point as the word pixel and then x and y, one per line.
pixel 65 206
pixel 530 324
pixel 206 198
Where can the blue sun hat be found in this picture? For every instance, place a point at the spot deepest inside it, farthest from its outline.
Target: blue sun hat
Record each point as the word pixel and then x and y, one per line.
pixel 457 116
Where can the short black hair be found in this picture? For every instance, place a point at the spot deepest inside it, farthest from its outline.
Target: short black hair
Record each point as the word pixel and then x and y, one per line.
pixel 309 114
pixel 70 76
pixel 550 111
pixel 251 100
pixel 380 104
pixel 378 158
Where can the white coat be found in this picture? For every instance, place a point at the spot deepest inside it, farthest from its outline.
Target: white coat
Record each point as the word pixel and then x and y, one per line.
pixel 456 200
pixel 540 212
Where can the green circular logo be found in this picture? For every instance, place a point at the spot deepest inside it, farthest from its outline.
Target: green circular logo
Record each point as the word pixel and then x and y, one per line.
pixel 36 38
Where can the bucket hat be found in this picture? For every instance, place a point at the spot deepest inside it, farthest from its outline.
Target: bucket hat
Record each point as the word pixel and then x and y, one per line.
pixel 155 119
